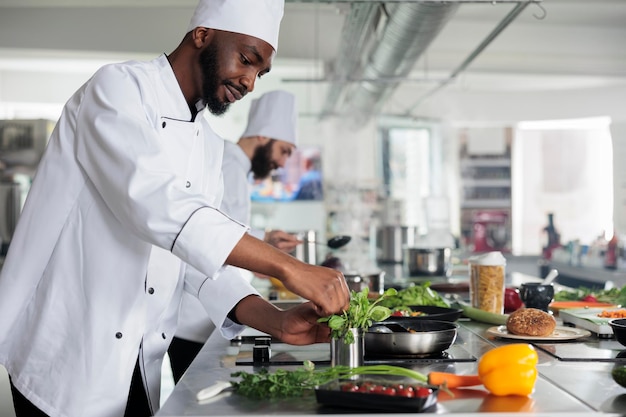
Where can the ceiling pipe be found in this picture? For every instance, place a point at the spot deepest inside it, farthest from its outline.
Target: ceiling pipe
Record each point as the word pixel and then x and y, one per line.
pixel 356 32
pixel 499 28
pixel 409 30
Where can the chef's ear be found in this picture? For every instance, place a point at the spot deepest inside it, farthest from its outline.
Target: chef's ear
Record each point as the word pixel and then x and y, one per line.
pixel 200 36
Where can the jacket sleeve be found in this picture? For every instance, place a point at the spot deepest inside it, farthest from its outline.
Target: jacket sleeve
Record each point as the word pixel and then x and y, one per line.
pixel 220 295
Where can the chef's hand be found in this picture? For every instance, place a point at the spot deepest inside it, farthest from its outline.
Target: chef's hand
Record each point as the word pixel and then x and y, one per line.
pixel 282 240
pixel 325 287
pixel 297 325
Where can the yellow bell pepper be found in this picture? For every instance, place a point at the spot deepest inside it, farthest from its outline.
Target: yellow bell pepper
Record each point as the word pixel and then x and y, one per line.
pixel 509 370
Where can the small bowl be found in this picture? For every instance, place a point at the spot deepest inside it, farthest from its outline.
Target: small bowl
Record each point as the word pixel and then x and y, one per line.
pixel 619 330
pixel 424 337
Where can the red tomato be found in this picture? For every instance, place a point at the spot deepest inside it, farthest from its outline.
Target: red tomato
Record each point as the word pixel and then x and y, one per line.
pixel 408 392
pixel 423 392
pixel 378 389
pixel 350 387
pixel 389 391
pixel 589 299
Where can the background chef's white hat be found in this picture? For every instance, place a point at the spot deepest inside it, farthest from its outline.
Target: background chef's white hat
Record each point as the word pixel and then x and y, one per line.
pixel 258 18
pixel 273 115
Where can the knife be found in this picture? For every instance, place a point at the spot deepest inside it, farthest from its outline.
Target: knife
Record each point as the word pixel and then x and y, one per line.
pixel 212 390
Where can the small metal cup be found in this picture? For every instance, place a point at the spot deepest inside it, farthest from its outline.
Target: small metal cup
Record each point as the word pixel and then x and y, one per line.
pixel 348 354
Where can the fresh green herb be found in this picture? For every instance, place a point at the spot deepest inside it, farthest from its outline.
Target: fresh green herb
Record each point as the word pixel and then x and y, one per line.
pixel 294 383
pixel 416 295
pixel 361 313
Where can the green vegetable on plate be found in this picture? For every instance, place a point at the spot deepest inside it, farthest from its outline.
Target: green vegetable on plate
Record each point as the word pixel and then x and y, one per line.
pixel 415 295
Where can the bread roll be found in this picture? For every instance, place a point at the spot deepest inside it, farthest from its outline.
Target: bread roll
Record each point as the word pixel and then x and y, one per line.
pixel 530 322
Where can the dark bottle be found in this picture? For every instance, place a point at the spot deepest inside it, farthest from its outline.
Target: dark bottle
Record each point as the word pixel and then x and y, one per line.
pixel 553 238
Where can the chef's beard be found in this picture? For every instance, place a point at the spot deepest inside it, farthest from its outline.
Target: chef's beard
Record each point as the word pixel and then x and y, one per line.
pixel 262 164
pixel 211 83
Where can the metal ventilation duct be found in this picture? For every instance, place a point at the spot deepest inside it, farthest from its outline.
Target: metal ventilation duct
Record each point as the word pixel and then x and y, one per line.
pixel 409 30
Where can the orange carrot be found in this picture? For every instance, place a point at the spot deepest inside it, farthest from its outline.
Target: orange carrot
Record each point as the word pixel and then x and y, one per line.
pixel 453 380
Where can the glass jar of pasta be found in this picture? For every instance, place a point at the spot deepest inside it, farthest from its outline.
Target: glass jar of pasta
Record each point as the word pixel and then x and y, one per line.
pixel 487 272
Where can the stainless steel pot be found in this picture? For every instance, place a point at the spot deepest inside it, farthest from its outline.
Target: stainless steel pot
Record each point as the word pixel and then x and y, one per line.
pixel 427 261
pixel 374 281
pixel 391 239
pixel 307 251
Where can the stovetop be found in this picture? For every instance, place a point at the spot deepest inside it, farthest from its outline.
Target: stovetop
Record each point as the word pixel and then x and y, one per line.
pixel 319 354
pixel 596 350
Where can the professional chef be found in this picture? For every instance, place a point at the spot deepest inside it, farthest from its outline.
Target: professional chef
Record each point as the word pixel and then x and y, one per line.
pixel 267 142
pixel 127 187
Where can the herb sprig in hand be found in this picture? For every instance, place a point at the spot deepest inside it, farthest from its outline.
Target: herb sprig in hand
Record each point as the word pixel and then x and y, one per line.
pixel 361 313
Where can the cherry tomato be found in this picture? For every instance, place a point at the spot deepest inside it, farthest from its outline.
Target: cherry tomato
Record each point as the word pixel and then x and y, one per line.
pixel 364 388
pixel 350 387
pixel 423 392
pixel 389 391
pixel 378 389
pixel 408 392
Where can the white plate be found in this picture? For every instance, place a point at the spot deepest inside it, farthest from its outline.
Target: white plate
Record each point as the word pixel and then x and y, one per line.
pixel 559 333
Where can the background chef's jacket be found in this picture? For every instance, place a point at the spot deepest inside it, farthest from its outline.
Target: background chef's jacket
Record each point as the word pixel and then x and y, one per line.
pixel 126 186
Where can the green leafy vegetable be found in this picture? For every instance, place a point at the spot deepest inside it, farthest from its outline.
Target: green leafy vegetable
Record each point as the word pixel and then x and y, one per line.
pixel 614 295
pixel 361 313
pixel 415 295
pixel 294 383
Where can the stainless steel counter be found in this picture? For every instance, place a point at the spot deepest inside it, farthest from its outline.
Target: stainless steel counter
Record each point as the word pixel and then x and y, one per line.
pixel 564 387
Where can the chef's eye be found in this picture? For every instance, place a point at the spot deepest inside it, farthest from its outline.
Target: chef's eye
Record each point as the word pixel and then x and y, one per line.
pixel 245 60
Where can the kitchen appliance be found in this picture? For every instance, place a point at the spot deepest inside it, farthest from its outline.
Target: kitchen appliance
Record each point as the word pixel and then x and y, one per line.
pixel 22 143
pixel 491 231
pixel 319 353
pixel 599 350
pixel 390 241
pixel 427 261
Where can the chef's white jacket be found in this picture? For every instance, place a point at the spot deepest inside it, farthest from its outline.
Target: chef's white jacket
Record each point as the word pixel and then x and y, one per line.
pixel 192 322
pixel 126 187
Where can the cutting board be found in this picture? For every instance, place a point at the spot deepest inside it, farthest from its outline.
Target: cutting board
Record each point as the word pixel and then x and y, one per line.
pixel 587 318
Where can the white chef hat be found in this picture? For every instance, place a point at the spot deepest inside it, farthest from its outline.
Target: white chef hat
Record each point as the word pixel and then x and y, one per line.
pixel 273 115
pixel 258 18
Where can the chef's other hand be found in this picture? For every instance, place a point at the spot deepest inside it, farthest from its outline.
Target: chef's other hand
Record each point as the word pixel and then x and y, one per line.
pixel 325 287
pixel 297 325
pixel 282 240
